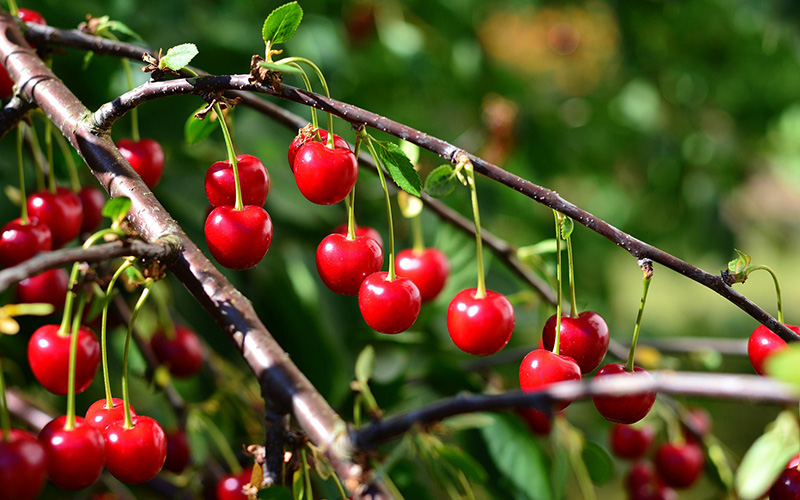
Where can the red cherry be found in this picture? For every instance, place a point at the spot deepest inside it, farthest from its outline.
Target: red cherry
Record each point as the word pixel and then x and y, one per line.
pixel 584 339
pixel 92 202
pixel 61 212
pixel 623 409
pixel 146 157
pixel 538 422
pixel 137 454
pixel 325 176
pixel 19 242
pixel 644 484
pixel 183 355
pixel 75 457
pixel 30 16
pixel 428 269
pixel 253 177
pixel 344 264
pixel 700 420
pixel 361 231
pixel 389 306
pixel 541 368
pixel 679 465
pixel 629 442
pixel 178 454
pixel 238 239
pixel 23 466
pixel 48 355
pixel 794 462
pixel 764 343
pixel 230 486
pixel 50 287
pixel 480 326
pixel 306 135
pixel 100 417
pixel 787 487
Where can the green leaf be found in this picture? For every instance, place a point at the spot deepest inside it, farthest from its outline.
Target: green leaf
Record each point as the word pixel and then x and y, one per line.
pixel 365 364
pixel 399 167
pixel 195 130
pixel 298 487
pixel 739 264
pixel 282 23
pixel 178 56
pixel 411 150
pixel 598 462
pixel 567 226
pixel 281 68
pixel 116 209
pixel 464 462
pixel 767 457
pixel 785 365
pixel 123 28
pixel 275 493
pixel 468 421
pixel 441 181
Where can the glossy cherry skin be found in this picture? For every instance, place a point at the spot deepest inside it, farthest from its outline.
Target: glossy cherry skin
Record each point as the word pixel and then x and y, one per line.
pixel 343 264
pixel 19 242
pixel 428 269
pixel 584 339
pixel 361 231
pixel 538 422
pixel 221 185
pixel 389 306
pixel 787 487
pixel 100 417
pixel 480 326
pixel 92 202
pixel 541 368
pixel 50 287
pixel 183 355
pixel 623 409
pixel 23 466
pixel 137 454
pixel 238 239
pixel 230 486
pixel 325 176
pixel 146 157
pixel 631 443
pixel 302 138
pixel 30 16
pixel 679 465
pixel 48 355
pixel 178 454
pixel 75 458
pixel 764 343
pixel 61 212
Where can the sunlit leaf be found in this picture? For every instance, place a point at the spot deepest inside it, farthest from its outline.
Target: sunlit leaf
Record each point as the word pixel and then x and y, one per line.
pixel 784 365
pixel 768 456
pixel 410 205
pixel 195 130
pixel 567 226
pixel 281 68
pixel 281 24
pixel 411 150
pixel 365 364
pixel 399 167
pixel 178 57
pixel 117 209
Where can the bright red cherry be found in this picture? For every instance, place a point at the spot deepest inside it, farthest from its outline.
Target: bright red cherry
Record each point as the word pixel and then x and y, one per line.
pixel 92 202
pixel 306 134
pixel 146 157
pixel 48 355
pixel 389 306
pixel 538 422
pixel 100 417
pixel 764 343
pixel 230 486
pixel 178 454
pixel 480 326
pixel 360 231
pixel 75 458
pixel 623 409
pixel 19 242
pixel 629 442
pixel 61 212
pixel 679 465
pixel 23 466
pixel 137 454
pixel 584 339
pixel 325 176
pixel 344 264
pixel 541 368
pixel 787 487
pixel 253 177
pixel 50 287
pixel 183 355
pixel 30 16
pixel 238 239
pixel 428 269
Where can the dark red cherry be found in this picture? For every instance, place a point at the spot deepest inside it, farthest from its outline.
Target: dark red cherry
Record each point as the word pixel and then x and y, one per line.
pixel 230 486
pixel 679 465
pixel 23 466
pixel 325 176
pixel 50 287
pixel 700 421
pixel 307 134
pixel 238 239
pixel 100 416
pixel 19 242
pixel 178 454
pixel 48 355
pixel 623 409
pixel 787 487
pixel 541 368
pixel 764 343
pixel 631 443
pixel 253 177
pixel 183 355
pixel 344 264
pixel 92 202
pixel 538 422
pixel 388 306
pixel 643 484
pixel 75 457
pixel 584 339
pixel 480 326
pixel 137 454
pixel 61 212
pixel 361 231
pixel 146 157
pixel 428 269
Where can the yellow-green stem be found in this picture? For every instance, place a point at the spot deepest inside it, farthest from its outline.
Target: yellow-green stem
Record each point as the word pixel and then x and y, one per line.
pixel 221 442
pixel 321 77
pixel 632 352
pixel 5 419
pixel 557 344
pixel 48 147
pixel 350 203
pixel 338 484
pixel 23 197
pixel 307 82
pixel 73 354
pixel 378 163
pixel 66 151
pixel 573 310
pixel 777 287
pixel 12 8
pixel 126 398
pixel 231 156
pixel 104 329
pixel 38 158
pixel 307 475
pixel 164 317
pixel 480 292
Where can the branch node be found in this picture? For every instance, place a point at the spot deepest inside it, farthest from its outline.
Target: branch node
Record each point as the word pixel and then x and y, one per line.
pixel 647 267
pixel 259 74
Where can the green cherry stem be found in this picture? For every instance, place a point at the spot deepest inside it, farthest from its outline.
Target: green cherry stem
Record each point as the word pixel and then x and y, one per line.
pixel 350 202
pixel 73 354
pixel 37 156
pixel 23 197
pixel 288 60
pixel 71 167
pixel 307 475
pixel 338 484
pixel 12 8
pixel 5 418
pixel 573 310
pixel 466 164
pixel 104 328
pixel 48 147
pixel 221 442
pixel 647 270
pixel 307 82
pixel 378 163
pixel 134 314
pixel 416 234
pixel 231 156
pixel 164 318
pixel 557 343
pixel 777 286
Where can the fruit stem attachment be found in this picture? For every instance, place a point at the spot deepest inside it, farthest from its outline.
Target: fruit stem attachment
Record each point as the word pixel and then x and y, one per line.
pixel 23 197
pixel 288 60
pixel 777 286
pixel 350 202
pixel 380 166
pixel 647 271
pixel 573 309
pixel 231 156
pixel 104 328
pixel 71 167
pixel 557 343
pixel 73 354
pixel 465 164
pixel 5 419
pixel 134 314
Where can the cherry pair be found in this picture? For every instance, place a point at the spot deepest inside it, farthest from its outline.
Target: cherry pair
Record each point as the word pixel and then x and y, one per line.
pixel 183 354
pixel 324 175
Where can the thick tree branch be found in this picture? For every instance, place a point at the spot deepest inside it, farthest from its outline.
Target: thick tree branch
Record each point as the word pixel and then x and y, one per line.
pixel 12 113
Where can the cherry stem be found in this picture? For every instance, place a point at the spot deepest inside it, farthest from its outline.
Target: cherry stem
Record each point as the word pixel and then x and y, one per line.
pixel 104 328
pixel 307 475
pixel 480 292
pixel 338 484
pixel 134 314
pixel 73 354
pixel 221 442
pixel 164 318
pixel 380 166
pixel 777 287
pixel 573 310
pixel 557 343
pixel 5 418
pixel 126 65
pixel 647 267
pixel 48 147
pixel 71 167
pixel 416 234
pixel 231 156
pixel 12 8
pixel 307 82
pixel 288 60
pixel 350 202
pixel 23 197
pixel 39 158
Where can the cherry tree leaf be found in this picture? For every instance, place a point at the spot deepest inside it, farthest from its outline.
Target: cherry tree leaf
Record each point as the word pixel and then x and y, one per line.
pixel 567 226
pixel 739 264
pixel 785 365
pixel 767 457
pixel 178 57
pixel 399 167
pixel 116 209
pixel 282 23
pixel 196 130
pixel 280 68
pixel 365 364
pixel 598 462
pixel 441 181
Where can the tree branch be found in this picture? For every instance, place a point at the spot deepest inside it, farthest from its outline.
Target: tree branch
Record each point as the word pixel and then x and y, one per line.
pixel 12 113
